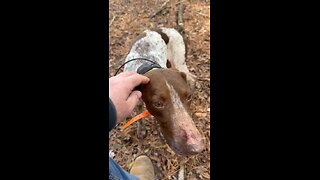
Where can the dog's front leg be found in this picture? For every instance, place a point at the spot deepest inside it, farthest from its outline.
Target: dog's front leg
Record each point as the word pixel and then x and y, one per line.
pixel 141 129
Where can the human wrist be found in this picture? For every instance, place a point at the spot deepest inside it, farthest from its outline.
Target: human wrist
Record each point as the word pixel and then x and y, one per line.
pixel 112 115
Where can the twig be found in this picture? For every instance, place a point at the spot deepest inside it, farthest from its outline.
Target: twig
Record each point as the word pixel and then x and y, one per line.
pixel 203 78
pixel 200 13
pixel 114 17
pixel 181 9
pixel 180 2
pixel 164 6
pixel 181 172
pixel 171 173
pixel 179 21
pixel 175 170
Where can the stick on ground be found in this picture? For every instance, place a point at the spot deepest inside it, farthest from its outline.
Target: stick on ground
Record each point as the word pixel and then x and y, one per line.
pixel 179 18
pixel 114 17
pixel 181 172
pixel 163 7
pixel 181 9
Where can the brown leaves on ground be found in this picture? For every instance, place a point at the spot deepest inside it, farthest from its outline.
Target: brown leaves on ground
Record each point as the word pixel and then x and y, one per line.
pixel 127 19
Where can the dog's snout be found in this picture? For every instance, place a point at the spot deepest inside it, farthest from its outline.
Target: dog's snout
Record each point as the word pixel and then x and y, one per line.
pixel 196 147
pixel 188 142
pixel 189 149
pixel 195 143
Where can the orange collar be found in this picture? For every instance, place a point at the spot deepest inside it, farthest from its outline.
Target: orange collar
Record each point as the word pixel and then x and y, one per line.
pixel 136 118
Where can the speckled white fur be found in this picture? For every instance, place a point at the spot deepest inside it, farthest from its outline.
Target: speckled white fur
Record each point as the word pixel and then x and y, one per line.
pixel 154 48
pixel 176 49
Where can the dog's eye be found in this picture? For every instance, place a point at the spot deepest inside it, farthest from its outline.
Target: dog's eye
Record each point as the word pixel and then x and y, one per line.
pixel 158 105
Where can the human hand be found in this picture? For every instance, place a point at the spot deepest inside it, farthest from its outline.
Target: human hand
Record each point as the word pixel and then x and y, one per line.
pixel 121 92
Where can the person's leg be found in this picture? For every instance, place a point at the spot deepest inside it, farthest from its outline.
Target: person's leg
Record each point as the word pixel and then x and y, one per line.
pixel 117 173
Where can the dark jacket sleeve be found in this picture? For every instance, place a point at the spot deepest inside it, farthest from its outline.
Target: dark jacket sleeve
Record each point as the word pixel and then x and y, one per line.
pixel 112 115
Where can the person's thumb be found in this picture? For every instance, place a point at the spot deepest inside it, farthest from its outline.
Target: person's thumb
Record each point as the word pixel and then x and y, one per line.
pixel 133 99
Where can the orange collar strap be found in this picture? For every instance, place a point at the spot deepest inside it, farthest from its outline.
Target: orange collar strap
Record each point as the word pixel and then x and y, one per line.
pixel 136 118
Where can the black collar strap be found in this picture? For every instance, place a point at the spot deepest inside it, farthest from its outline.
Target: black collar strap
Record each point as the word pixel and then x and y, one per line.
pixel 143 68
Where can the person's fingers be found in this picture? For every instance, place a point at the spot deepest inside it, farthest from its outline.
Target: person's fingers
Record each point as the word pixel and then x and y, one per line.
pixel 138 79
pixel 126 74
pixel 133 99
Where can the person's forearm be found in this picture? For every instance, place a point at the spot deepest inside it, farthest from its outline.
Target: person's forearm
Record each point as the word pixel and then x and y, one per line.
pixel 112 115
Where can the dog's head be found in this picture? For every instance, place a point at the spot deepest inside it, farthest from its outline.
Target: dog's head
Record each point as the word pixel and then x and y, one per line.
pixel 167 97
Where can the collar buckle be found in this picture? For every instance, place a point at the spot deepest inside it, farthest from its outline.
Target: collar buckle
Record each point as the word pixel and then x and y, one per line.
pixel 144 68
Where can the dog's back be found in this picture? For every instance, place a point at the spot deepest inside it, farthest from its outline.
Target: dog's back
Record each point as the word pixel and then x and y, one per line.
pixel 149 45
pixel 159 45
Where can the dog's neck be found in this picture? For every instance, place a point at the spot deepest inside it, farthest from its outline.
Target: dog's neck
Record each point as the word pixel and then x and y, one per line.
pixel 144 68
pixel 149 63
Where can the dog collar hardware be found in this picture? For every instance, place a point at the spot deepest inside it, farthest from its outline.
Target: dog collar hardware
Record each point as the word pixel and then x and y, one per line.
pixel 154 64
pixel 144 68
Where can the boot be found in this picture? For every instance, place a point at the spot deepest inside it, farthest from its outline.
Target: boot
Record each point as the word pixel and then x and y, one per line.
pixel 143 168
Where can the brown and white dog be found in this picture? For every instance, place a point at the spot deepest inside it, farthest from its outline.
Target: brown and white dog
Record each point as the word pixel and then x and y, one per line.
pixel 167 96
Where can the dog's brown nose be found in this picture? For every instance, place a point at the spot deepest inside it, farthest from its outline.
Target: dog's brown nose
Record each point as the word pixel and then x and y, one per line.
pixel 195 145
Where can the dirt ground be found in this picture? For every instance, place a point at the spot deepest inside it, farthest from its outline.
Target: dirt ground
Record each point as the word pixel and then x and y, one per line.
pixel 129 18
